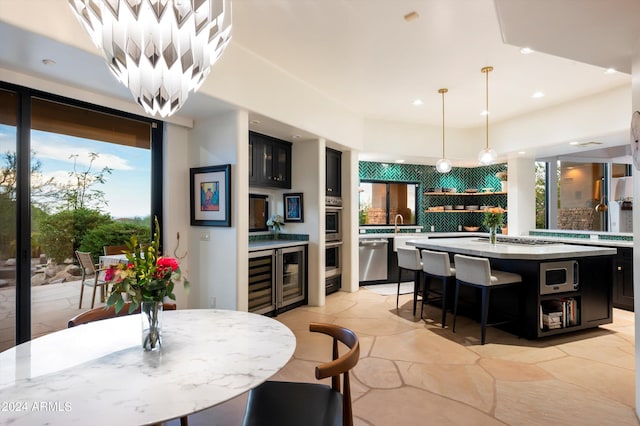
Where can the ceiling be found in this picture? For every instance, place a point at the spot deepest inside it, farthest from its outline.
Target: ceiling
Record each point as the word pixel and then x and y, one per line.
pixel 364 55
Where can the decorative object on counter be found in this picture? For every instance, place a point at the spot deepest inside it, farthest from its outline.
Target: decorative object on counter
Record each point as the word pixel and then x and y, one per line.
pixel 487 155
pixel 293 208
pixel 211 195
pixel 471 228
pixel 275 222
pixel 147 279
pixel 471 191
pixel 504 230
pixel 503 180
pixel 160 52
pixel 493 218
pixel 443 165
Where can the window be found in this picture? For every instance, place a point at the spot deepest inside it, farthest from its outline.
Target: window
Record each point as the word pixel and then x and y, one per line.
pixel 382 202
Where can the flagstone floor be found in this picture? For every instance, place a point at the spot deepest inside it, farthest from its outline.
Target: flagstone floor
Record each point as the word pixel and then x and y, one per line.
pixel 412 371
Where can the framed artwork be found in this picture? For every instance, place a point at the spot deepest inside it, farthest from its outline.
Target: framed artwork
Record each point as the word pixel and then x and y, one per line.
pixel 211 195
pixel 293 207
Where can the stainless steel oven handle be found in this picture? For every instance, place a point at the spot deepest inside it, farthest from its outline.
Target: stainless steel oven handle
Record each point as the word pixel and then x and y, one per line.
pixel 333 244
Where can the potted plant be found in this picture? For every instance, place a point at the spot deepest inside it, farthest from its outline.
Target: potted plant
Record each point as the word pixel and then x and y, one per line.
pixel 503 180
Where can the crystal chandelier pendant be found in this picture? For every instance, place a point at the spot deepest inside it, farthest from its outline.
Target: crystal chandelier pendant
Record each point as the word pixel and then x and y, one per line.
pixel 160 49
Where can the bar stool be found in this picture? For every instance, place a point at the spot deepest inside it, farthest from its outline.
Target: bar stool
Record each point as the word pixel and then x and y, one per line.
pixel 476 272
pixel 436 264
pixel 409 259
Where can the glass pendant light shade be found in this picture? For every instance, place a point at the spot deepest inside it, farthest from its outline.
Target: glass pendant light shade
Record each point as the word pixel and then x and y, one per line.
pixel 443 165
pixel 160 49
pixel 487 156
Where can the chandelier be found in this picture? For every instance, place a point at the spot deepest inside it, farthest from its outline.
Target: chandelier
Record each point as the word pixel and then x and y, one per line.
pixel 443 165
pixel 487 155
pixel 160 49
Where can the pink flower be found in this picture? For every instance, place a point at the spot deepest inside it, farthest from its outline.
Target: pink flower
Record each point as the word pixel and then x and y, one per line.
pixel 168 262
pixel 110 273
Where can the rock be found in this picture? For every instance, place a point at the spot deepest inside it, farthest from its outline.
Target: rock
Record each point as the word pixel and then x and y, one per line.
pixel 51 270
pixel 38 279
pixel 43 259
pixel 61 277
pixel 4 283
pixel 10 262
pixel 74 270
pixel 68 261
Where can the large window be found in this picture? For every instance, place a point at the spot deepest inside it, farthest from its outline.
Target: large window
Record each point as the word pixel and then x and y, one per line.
pixel 385 203
pixel 66 168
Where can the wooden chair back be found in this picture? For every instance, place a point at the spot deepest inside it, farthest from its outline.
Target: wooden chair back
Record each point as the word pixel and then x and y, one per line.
pixel 103 313
pixel 109 250
pixel 339 364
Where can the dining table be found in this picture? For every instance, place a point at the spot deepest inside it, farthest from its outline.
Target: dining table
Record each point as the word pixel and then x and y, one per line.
pixel 112 259
pixel 98 373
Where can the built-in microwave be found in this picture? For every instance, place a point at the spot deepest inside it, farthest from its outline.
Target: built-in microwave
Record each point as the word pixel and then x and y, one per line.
pixel 333 224
pixel 559 277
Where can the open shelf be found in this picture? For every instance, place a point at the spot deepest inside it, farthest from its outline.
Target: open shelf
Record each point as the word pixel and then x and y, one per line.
pixel 464 194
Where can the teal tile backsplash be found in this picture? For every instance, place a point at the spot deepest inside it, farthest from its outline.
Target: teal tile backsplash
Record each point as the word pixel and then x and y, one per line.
pixel 427 177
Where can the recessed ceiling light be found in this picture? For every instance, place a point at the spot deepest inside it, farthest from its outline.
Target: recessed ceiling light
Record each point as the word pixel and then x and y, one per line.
pixel 296 136
pixel 522 152
pixel 418 102
pixel 48 62
pixel 574 143
pixel 610 71
pixel 537 94
pixel 485 112
pixel 399 161
pixel 526 50
pixel 411 16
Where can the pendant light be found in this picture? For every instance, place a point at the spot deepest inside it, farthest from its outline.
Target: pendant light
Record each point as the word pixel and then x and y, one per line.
pixel 443 165
pixel 161 50
pixel 487 155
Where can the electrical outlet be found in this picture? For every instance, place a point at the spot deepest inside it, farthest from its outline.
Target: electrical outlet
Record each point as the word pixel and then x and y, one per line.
pixel 212 302
pixel 204 236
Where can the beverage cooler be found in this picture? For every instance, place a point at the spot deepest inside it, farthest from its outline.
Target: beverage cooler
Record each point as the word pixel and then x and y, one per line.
pixel 277 279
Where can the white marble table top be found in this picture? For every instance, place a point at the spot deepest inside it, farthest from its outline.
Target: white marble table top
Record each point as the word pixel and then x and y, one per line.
pixel 98 373
pixel 482 247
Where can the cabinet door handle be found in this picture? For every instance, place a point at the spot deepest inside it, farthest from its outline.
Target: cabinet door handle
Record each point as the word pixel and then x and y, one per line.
pixel 619 268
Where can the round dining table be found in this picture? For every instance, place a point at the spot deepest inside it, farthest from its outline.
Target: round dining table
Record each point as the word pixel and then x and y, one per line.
pixel 98 374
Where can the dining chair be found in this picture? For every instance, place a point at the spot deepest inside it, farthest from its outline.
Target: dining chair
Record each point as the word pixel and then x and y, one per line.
pixel 292 403
pixel 102 313
pixel 476 272
pixel 92 276
pixel 409 259
pixel 436 264
pixel 109 250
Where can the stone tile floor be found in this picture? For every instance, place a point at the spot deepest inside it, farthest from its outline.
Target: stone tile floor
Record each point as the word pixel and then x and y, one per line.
pixel 412 371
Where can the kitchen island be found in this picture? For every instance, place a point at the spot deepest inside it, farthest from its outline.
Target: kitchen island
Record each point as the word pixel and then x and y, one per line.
pixel 572 282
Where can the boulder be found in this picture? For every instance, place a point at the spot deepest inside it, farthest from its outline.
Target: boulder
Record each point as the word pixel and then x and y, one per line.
pixel 74 270
pixel 10 262
pixel 38 279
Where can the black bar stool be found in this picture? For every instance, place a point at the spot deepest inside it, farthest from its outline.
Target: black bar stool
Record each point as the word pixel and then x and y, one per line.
pixel 476 272
pixel 436 264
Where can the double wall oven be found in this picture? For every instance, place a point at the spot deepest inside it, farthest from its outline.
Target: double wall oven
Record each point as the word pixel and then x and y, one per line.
pixel 333 244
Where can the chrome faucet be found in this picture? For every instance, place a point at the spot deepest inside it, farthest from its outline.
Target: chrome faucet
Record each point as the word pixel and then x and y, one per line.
pixel 395 222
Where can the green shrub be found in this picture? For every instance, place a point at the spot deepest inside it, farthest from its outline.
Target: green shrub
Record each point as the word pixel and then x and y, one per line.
pixel 112 234
pixel 62 233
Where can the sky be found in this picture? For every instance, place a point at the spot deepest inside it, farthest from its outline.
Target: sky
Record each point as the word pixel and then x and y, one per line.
pixel 128 187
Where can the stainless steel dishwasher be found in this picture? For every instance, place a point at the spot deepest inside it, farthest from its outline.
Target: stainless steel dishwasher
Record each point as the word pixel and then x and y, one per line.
pixel 373 259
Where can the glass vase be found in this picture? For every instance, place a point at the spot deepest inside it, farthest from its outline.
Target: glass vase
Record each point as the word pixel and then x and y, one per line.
pixel 151 313
pixel 493 230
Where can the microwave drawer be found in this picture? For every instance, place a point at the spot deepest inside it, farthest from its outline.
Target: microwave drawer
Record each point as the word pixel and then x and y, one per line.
pixel 559 277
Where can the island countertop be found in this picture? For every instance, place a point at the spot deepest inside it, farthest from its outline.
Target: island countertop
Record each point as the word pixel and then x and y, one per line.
pixel 504 250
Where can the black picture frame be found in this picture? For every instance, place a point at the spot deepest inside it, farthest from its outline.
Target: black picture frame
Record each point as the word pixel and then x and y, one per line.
pixel 210 195
pixel 293 207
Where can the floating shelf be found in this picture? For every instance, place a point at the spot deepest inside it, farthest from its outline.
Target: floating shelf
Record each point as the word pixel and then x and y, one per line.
pixel 466 194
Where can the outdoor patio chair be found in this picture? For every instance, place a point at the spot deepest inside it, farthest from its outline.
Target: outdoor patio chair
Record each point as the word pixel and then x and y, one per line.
pixel 92 276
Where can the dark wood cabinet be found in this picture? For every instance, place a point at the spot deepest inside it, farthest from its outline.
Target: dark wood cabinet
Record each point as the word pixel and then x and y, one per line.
pixel 333 173
pixel 269 161
pixel 623 279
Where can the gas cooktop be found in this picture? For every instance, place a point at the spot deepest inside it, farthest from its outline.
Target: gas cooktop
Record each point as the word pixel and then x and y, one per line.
pixel 523 241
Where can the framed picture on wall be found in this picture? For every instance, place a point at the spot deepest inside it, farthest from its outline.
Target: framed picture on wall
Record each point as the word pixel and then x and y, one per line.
pixel 293 209
pixel 211 195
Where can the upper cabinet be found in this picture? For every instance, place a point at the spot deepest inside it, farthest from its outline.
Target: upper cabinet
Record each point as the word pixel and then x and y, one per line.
pixel 333 172
pixel 269 161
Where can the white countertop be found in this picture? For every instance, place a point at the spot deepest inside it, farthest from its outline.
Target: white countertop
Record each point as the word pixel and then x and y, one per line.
pixel 98 374
pixel 482 247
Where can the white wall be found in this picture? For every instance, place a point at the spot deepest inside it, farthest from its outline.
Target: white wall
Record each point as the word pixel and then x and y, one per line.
pixel 521 188
pixel 219 266
pixel 350 253
pixel 636 219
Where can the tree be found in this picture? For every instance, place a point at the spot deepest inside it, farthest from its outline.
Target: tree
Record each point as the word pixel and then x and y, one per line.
pixel 80 192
